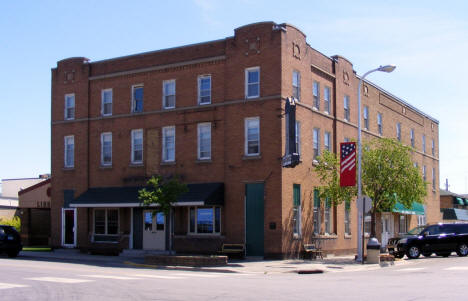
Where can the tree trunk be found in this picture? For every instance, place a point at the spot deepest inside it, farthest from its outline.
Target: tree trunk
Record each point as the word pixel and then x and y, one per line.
pixel 372 234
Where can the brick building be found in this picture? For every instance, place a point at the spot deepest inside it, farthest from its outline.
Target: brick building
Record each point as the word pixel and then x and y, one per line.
pixel 212 113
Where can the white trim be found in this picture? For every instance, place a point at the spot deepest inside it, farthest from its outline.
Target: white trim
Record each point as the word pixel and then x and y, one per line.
pixel 246 142
pixel 246 82
pixel 164 93
pixel 132 97
pixel 102 149
pixel 74 228
pixel 164 129
pixel 199 126
pixel 132 157
pixel 130 205
pixel 102 101
pixel 65 151
pixel 200 77
pixel 66 107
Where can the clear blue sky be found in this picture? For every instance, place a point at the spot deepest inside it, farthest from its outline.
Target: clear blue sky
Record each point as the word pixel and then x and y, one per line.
pixel 427 40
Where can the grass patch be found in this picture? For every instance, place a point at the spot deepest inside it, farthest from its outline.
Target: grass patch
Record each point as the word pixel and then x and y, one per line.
pixel 37 249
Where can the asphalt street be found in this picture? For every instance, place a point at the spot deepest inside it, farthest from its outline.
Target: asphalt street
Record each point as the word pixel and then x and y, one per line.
pixel 432 278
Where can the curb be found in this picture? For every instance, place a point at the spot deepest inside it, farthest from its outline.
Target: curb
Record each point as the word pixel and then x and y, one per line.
pixel 180 268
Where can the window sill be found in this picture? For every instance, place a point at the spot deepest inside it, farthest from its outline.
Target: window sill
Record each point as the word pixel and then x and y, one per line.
pixel 136 165
pixel 168 163
pixel 203 161
pixel 169 108
pixel 105 166
pixel 348 236
pixel 326 236
pixel 133 112
pixel 297 236
pixel 252 157
pixel 68 168
pixel 252 97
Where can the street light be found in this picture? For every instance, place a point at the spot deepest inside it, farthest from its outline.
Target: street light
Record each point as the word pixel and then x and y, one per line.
pixel 388 69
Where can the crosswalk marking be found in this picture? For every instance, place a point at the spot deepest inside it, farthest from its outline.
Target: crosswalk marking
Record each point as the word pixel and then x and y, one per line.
pixel 456 269
pixel 157 276
pixel 11 285
pixel 59 279
pixel 409 269
pixel 111 277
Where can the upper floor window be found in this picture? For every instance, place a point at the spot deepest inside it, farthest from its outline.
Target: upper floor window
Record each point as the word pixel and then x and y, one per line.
pixel 366 117
pixel 69 151
pixel 412 137
pixel 168 144
pixel 433 147
pixel 398 131
pixel 424 173
pixel 169 94
pixel 296 84
pixel 316 93
pixel 204 141
pixel 316 143
pixel 326 141
pixel 106 149
pixel 252 136
pixel 204 89
pixel 298 137
pixel 106 102
pixel 379 123
pixel 433 179
pixel 346 107
pixel 70 106
pixel 137 146
pixel 424 143
pixel 326 99
pixel 252 82
pixel 137 98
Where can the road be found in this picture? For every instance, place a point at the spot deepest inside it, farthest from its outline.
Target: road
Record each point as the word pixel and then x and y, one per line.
pixel 432 278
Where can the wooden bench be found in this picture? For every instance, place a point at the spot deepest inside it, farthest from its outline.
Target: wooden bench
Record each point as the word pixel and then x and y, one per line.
pixel 313 250
pixel 233 249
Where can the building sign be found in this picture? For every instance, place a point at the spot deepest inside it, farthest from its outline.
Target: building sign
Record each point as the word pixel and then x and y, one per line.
pixel 291 157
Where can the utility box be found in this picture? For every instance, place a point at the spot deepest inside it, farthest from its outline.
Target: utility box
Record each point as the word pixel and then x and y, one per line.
pixel 373 251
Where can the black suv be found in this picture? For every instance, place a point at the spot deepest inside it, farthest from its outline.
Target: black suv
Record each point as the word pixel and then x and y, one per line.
pixel 393 242
pixel 441 239
pixel 10 241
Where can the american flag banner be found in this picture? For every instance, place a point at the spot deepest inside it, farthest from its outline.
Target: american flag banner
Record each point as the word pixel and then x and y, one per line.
pixel 348 164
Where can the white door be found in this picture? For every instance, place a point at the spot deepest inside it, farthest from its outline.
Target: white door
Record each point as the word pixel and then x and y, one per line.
pixel 69 227
pixel 154 231
pixel 387 228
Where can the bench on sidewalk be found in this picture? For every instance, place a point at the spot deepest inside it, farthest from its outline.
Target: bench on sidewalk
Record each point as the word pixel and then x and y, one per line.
pixel 313 250
pixel 237 250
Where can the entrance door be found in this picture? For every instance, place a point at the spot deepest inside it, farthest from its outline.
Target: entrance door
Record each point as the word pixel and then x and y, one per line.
pixel 387 228
pixel 154 231
pixel 69 227
pixel 254 225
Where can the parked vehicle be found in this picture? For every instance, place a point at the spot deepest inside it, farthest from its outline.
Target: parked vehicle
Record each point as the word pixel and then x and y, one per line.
pixel 392 242
pixel 441 239
pixel 10 241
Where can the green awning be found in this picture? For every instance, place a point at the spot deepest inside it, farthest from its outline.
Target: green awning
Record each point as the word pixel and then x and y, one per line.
pixel 460 201
pixel 466 202
pixel 416 209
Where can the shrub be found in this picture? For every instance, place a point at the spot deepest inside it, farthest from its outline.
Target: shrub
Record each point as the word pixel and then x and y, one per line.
pixel 15 222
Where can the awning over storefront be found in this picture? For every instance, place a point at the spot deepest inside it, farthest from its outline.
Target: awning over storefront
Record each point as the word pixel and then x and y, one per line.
pixel 455 214
pixel 416 209
pixel 203 194
pixel 459 201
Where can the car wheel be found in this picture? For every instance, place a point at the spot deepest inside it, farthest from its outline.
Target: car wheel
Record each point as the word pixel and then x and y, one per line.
pixel 462 250
pixel 413 252
pixel 12 254
pixel 427 254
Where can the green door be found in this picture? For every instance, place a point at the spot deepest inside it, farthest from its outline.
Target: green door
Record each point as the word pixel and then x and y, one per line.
pixel 254 219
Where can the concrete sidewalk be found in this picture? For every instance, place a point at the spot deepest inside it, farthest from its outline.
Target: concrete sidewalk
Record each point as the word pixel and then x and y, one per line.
pixel 249 265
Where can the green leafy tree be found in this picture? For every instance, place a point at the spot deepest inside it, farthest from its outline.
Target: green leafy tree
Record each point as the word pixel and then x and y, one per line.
pixel 388 175
pixel 328 171
pixel 14 222
pixel 163 193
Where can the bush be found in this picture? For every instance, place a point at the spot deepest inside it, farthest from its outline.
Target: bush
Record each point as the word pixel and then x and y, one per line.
pixel 15 222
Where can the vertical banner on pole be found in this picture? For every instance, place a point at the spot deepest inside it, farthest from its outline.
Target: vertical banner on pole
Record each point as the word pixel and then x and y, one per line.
pixel 348 164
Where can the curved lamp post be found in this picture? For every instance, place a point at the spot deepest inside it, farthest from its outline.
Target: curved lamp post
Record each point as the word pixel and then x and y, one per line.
pixel 388 69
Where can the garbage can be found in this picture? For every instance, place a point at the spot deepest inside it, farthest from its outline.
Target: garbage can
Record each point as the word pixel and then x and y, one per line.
pixel 373 251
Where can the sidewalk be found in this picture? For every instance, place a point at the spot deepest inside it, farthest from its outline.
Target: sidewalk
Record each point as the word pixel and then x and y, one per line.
pixel 249 265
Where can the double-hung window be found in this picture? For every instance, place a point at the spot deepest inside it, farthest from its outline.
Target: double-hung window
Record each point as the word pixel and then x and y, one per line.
pixel 106 221
pixel 205 220
pixel 204 89
pixel 106 102
pixel 252 136
pixel 137 146
pixel 298 137
pixel 433 147
pixel 106 149
pixel 327 141
pixel 347 217
pixel 316 93
pixel 398 131
pixel 328 217
pixel 296 85
pixel 204 141
pixel 424 173
pixel 69 106
pixel 169 94
pixel 137 98
pixel 412 137
pixel 346 107
pixel 424 143
pixel 316 142
pixel 69 151
pixel 433 179
pixel 296 210
pixel 326 99
pixel 316 211
pixel 379 124
pixel 366 117
pixel 252 82
pixel 168 144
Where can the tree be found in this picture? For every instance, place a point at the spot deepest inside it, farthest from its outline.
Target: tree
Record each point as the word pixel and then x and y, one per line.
pixel 328 170
pixel 162 193
pixel 388 175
